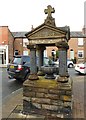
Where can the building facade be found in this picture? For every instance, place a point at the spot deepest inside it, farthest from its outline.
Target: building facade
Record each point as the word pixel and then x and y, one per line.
pixel 10 42
pixel 6 45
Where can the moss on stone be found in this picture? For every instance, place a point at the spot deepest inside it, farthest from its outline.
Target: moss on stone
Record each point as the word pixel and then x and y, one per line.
pixel 46 83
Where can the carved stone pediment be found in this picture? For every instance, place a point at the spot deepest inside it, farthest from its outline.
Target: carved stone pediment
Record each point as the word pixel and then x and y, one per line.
pixel 46 32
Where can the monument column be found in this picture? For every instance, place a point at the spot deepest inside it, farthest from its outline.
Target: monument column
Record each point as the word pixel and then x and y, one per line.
pixel 63 70
pixel 33 68
pixel 40 59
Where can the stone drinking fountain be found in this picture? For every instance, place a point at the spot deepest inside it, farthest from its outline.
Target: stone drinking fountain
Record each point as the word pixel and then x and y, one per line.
pixel 49 71
pixel 48 96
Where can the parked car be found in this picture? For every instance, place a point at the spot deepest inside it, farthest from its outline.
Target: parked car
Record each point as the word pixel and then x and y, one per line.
pixel 70 63
pixel 81 68
pixel 19 67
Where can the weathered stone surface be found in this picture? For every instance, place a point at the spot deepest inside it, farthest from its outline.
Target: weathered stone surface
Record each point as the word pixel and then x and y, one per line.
pixel 69 92
pixel 37 105
pixel 41 100
pixel 27 89
pixel 67 104
pixel 28 99
pixel 33 77
pixel 52 96
pixel 65 98
pixel 50 107
pixel 51 91
pixel 48 95
pixel 28 83
pixel 40 90
pixel 29 94
pixel 58 91
pixel 57 102
pixel 42 83
pixel 39 95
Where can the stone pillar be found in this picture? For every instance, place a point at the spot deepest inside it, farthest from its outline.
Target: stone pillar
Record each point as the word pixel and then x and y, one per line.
pixel 63 62
pixel 40 59
pixel 63 69
pixel 33 66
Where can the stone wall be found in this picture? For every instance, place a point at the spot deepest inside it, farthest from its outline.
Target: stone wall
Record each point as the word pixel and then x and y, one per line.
pixel 49 97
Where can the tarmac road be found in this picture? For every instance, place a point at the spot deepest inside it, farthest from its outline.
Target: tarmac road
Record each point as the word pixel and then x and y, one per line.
pixel 8 85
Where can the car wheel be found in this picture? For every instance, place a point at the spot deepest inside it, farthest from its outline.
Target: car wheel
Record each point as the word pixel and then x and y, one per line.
pixel 70 65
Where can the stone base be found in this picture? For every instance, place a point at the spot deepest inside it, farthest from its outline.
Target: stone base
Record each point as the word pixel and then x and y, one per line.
pixel 48 96
pixel 47 76
pixel 62 79
pixel 33 77
pixel 40 73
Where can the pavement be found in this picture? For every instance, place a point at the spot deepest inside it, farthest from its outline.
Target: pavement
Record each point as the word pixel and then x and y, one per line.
pixel 15 101
pixel 3 66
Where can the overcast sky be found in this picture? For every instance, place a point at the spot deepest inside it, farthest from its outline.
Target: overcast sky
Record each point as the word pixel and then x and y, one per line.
pixel 19 15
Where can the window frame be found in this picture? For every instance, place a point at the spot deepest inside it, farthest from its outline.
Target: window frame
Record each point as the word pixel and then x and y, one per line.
pixel 82 53
pixel 80 42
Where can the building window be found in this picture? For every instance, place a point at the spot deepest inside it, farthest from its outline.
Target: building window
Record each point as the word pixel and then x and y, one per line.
pixel 80 41
pixel 16 52
pixel 25 41
pixel 71 54
pixel 80 53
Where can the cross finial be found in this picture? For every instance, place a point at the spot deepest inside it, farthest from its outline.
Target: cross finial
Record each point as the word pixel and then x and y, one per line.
pixel 49 10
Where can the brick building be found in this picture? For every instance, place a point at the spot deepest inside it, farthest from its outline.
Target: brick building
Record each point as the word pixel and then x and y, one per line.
pixel 6 45
pixel 16 41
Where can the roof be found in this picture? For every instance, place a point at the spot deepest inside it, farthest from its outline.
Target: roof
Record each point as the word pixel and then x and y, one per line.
pixel 73 34
pixel 77 34
pixel 63 29
pixel 19 34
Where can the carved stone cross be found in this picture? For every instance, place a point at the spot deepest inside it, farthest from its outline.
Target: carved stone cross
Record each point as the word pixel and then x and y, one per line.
pixel 49 10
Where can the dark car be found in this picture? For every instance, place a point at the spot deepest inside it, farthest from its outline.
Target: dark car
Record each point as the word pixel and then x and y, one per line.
pixel 19 68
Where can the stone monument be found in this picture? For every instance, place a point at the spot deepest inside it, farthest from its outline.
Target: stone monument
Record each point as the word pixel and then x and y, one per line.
pixel 50 98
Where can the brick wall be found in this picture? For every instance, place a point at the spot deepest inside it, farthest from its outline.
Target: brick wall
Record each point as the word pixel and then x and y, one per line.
pixel 10 45
pixel 18 45
pixel 49 50
pixel 3 35
pixel 73 44
pixel 84 32
pixel 85 49
pixel 6 38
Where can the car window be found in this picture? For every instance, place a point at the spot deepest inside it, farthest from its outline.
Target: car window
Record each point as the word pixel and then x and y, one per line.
pixel 17 60
pixel 26 59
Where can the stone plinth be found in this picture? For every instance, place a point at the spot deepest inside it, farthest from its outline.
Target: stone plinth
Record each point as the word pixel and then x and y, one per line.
pixel 49 97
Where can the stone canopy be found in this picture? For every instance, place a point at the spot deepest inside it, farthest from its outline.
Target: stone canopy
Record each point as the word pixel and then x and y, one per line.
pixel 47 34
